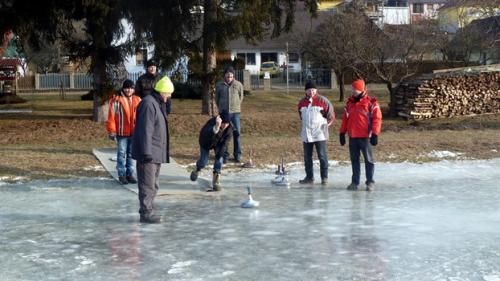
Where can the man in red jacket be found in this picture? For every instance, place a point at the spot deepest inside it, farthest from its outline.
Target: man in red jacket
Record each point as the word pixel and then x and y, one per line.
pixel 361 120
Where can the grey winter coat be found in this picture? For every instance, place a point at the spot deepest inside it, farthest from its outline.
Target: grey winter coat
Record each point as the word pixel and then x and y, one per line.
pixel 229 97
pixel 151 137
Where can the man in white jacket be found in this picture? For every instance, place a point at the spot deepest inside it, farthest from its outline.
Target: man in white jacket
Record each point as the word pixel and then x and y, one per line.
pixel 317 114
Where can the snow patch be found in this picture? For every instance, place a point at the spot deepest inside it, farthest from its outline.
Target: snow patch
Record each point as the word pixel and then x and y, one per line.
pixel 227 273
pixel 443 154
pixel 179 267
pixel 265 233
pixel 95 168
pixel 11 178
pixel 491 278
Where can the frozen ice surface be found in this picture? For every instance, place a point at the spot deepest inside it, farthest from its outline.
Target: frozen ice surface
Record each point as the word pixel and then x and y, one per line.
pixel 437 221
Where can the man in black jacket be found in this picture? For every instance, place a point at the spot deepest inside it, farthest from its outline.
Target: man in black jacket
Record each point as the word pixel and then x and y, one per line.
pixel 215 135
pixel 146 82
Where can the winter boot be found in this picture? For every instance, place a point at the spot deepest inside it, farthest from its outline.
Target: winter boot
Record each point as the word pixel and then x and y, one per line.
pixel 306 180
pixel 324 181
pixel 194 175
pixel 131 179
pixel 150 218
pixel 352 187
pixel 123 180
pixel 370 186
pixel 216 182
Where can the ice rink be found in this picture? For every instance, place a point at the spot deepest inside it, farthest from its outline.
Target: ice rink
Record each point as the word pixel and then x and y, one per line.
pixel 435 221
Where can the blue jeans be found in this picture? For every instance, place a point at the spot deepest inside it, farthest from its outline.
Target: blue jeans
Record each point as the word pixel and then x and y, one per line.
pixel 358 146
pixel 124 162
pixel 203 161
pixel 322 155
pixel 235 122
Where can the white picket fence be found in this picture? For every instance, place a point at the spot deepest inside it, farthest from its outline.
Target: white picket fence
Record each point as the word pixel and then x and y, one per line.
pixel 56 81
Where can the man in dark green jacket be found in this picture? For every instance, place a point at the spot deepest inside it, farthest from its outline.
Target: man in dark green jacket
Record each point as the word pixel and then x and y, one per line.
pixel 229 95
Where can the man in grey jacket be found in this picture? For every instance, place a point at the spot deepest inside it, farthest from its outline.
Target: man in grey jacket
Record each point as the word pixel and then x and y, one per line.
pixel 150 145
pixel 229 95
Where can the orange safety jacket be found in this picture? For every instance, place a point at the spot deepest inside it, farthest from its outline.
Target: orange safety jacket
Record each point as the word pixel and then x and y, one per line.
pixel 361 119
pixel 122 114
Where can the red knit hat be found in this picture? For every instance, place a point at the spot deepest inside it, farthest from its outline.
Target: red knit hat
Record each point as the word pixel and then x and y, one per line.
pixel 359 85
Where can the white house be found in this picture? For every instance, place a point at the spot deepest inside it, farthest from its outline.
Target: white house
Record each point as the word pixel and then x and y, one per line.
pixel 425 9
pixel 404 11
pixel 276 49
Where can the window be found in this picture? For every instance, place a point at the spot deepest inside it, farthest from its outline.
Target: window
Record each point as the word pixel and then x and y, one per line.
pixel 241 56
pixel 269 57
pixel 293 57
pixel 141 56
pixel 250 59
pixel 418 8
pixel 397 3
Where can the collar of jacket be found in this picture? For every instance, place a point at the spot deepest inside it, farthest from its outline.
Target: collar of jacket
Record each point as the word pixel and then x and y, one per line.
pixel 152 76
pixel 315 97
pixel 157 97
pixel 355 100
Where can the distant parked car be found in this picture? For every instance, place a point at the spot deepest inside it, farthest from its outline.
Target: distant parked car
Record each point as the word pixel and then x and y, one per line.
pixel 271 67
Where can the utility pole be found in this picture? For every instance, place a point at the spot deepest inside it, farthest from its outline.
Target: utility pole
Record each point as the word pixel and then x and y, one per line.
pixel 287 67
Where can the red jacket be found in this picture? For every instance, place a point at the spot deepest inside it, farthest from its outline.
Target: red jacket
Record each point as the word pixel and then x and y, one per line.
pixel 121 115
pixel 361 119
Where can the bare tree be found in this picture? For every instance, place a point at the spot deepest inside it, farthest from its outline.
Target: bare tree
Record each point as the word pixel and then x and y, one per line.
pixel 335 43
pixel 395 54
pixel 478 41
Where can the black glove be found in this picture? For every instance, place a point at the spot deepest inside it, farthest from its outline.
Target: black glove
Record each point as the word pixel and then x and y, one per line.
pixel 374 140
pixel 112 137
pixel 342 139
pixel 147 158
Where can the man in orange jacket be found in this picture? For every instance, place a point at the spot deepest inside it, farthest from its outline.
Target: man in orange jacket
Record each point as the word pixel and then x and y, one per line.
pixel 120 127
pixel 362 121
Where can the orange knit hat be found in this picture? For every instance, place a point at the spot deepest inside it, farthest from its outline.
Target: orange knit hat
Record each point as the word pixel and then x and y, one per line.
pixel 359 85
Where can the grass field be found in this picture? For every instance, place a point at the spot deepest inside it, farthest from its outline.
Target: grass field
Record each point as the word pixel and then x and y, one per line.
pixel 56 139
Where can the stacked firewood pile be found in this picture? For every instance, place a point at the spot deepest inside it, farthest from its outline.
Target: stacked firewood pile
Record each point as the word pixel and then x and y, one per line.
pixel 449 94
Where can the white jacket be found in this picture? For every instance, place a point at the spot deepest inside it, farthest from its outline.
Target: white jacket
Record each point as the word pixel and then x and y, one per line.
pixel 315 113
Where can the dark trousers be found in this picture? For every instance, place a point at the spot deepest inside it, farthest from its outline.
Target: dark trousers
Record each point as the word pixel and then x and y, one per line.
pixel 357 145
pixel 322 155
pixel 148 182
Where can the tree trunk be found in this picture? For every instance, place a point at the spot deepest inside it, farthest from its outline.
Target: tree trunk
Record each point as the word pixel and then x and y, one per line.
pixel 209 58
pixel 99 76
pixel 340 80
pixel 392 104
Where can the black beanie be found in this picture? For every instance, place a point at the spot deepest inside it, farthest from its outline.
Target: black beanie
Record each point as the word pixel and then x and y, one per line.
pixel 150 63
pixel 128 84
pixel 310 85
